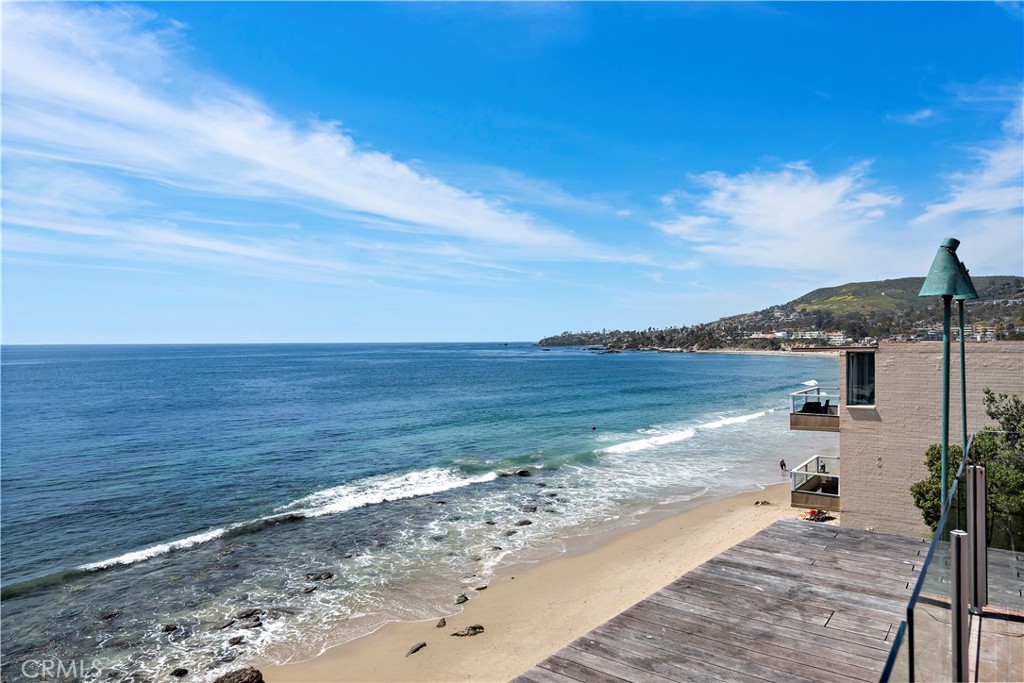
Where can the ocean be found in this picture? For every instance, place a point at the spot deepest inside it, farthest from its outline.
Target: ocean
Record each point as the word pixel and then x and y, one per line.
pixel 152 496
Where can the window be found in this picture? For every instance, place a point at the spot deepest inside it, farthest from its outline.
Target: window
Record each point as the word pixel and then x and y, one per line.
pixel 860 378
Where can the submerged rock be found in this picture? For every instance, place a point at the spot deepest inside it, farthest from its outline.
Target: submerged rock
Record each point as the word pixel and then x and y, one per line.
pixel 236 640
pixel 524 522
pixel 523 473
pixel 416 648
pixel 529 508
pixel 180 672
pixel 255 623
pixel 112 614
pixel 223 625
pixel 473 630
pixel 168 628
pixel 511 532
pixel 441 623
pixel 246 675
pixel 461 599
pixel 319 576
pixel 249 613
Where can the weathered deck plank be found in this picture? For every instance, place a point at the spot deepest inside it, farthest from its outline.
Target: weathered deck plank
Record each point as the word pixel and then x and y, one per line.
pixel 795 602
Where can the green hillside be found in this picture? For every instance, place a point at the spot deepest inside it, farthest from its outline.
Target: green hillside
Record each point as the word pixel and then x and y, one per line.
pixel 892 296
pixel 862 311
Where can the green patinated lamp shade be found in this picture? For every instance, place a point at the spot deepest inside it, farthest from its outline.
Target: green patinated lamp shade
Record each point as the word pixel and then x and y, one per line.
pixel 948 276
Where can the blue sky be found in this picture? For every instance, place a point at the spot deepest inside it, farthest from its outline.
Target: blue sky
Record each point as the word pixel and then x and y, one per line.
pixel 348 172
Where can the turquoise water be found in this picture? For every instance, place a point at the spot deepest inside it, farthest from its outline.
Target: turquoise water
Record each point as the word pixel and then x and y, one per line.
pixel 148 487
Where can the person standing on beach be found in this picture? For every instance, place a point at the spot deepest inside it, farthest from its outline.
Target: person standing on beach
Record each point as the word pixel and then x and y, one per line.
pixel 782 464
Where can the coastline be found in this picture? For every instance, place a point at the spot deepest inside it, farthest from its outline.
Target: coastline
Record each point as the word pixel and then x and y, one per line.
pixel 530 611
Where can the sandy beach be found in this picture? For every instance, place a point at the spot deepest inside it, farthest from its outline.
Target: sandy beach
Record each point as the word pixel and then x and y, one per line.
pixel 531 611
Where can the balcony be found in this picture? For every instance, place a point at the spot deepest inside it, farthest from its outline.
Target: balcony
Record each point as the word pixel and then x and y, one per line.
pixel 814 484
pixel 814 410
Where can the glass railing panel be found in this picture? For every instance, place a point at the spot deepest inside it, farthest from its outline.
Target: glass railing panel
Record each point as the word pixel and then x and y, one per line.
pixel 1005 526
pixel 897 666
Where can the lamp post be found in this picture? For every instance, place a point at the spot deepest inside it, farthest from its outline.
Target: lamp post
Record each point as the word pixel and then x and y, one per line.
pixel 948 278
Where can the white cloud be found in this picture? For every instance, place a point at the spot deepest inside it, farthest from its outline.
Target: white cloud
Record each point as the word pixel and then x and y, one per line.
pixel 785 218
pixel 913 118
pixel 102 116
pixel 994 186
pixel 692 228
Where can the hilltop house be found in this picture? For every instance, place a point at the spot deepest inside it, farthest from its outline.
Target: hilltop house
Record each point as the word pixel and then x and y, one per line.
pixel 888 411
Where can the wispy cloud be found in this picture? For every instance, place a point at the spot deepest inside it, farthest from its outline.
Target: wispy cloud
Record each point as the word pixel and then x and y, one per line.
pixel 785 218
pixel 986 202
pixel 104 118
pixel 913 118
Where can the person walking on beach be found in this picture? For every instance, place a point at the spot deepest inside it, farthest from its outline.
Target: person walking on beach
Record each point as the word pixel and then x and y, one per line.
pixel 782 464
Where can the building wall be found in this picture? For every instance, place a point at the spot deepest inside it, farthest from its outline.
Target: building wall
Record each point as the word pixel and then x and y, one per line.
pixel 882 448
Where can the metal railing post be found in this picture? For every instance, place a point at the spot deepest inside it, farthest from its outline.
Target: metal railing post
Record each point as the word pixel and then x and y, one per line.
pixel 958 604
pixel 977 540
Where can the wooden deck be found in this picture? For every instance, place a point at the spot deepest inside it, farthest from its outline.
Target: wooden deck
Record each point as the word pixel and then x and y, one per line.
pixel 797 602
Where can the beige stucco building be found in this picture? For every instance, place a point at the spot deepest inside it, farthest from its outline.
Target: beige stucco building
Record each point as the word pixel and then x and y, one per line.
pixel 892 412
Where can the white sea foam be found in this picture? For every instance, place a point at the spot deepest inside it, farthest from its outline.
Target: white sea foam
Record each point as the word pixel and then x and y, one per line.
pixel 650 442
pixel 810 383
pixel 153 551
pixel 677 436
pixel 739 419
pixel 380 489
pixel 367 491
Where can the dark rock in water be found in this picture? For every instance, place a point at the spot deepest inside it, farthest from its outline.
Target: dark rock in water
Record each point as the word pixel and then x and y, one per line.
pixel 461 599
pixel 542 484
pixel 255 623
pixel 168 628
pixel 490 522
pixel 529 508
pixel 319 576
pixel 223 625
pixel 511 532
pixel 480 588
pixel 236 640
pixel 416 648
pixel 473 630
pixel 277 611
pixel 249 613
pixel 477 558
pixel 112 614
pixel 523 473
pixel 524 522
pixel 551 494
pixel 441 623
pixel 442 502
pixel 246 675
pixel 227 658
pixel 496 547
pixel 180 672
pixel 226 565
pixel 309 589
pixel 180 634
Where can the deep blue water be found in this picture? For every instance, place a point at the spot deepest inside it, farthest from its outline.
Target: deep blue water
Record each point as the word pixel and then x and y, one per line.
pixel 177 485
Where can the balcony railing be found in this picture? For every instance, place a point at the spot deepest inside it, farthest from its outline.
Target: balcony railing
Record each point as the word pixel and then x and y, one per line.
pixel 941 639
pixel 815 409
pixel 814 483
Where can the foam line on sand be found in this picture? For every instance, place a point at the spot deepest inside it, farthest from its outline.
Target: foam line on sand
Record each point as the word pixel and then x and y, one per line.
pixel 529 612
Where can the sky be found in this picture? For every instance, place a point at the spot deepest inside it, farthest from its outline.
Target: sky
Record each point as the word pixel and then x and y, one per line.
pixel 218 172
